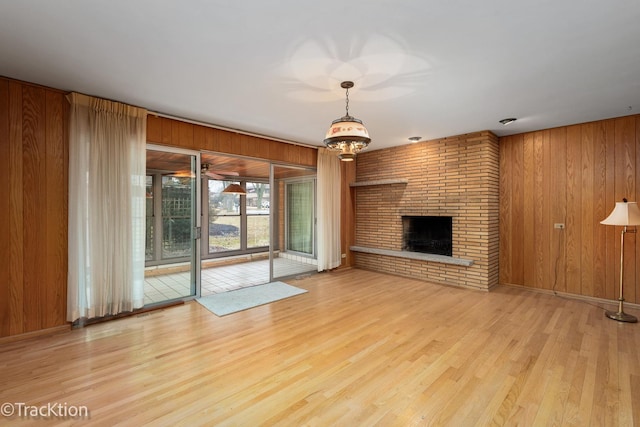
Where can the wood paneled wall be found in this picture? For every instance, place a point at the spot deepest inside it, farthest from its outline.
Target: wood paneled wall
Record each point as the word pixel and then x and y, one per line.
pixel 176 133
pixel 33 207
pixel 571 175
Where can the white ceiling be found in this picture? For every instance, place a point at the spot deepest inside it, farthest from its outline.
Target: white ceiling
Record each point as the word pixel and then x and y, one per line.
pixel 421 68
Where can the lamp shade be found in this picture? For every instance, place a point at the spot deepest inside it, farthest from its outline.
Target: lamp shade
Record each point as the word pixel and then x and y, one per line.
pixel 624 213
pixel 347 129
pixel 234 189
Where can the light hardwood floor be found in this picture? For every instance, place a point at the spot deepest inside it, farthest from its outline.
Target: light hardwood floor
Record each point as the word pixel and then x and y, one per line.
pixel 359 349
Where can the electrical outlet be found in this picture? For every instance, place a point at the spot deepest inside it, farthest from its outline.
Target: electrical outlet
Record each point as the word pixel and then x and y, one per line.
pixel 559 226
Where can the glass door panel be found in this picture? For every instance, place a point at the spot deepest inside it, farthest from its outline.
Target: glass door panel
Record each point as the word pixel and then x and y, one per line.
pixel 293 223
pixel 177 217
pixel 172 242
pixel 236 237
pixel 300 216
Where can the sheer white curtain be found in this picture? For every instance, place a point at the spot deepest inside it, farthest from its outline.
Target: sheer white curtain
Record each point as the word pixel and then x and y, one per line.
pixel 329 253
pixel 107 159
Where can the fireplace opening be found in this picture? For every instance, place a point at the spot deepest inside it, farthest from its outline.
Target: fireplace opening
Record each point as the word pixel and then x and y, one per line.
pixel 428 234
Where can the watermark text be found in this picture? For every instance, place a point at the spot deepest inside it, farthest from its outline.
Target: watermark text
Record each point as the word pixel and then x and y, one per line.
pixel 49 410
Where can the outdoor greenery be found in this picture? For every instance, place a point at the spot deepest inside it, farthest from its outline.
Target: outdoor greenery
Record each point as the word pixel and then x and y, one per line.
pixel 257 233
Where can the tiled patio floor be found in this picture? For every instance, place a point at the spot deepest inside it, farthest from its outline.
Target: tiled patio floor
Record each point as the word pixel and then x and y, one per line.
pixel 220 279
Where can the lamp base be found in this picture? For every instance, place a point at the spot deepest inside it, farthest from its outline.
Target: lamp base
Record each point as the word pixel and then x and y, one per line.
pixel 621 316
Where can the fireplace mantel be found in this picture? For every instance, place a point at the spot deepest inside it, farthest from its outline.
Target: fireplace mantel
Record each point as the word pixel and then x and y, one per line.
pixel 414 255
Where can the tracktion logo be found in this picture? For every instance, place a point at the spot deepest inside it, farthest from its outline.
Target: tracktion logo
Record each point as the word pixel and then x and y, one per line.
pixel 46 411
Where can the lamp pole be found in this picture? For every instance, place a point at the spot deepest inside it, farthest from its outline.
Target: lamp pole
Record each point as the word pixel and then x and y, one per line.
pixel 620 315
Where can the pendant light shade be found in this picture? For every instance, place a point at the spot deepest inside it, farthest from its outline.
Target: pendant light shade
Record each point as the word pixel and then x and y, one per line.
pixel 234 189
pixel 347 134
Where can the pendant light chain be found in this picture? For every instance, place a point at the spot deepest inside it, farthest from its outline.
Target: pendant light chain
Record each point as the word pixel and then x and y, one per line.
pixel 347 103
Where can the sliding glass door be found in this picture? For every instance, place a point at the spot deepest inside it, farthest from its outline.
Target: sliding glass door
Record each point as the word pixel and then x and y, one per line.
pixel 263 228
pixel 300 216
pixel 293 221
pixel 173 225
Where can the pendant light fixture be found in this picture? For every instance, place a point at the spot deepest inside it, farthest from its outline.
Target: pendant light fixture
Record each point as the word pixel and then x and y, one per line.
pixel 347 134
pixel 234 188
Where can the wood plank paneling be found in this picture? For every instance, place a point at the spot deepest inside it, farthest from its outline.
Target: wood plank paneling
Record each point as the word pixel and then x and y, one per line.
pixel 5 210
pixel 199 137
pixel 154 129
pixel 181 134
pixel 600 209
pixel 558 200
pixel 33 127
pixel 589 167
pixel 34 208
pixel 165 131
pixel 166 126
pixel 625 188
pixel 506 177
pixel 57 179
pixel 546 212
pixel 574 210
pixel 16 223
pixel 261 148
pixel 528 210
pixel 612 237
pixel 517 211
pixel 586 221
pixel 541 210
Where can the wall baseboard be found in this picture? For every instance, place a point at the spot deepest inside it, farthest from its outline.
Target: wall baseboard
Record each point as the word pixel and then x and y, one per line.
pixel 585 298
pixel 39 333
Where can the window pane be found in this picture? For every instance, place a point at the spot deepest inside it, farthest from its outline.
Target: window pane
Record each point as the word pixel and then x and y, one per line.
pixel 224 233
pixel 221 203
pixel 224 218
pixel 257 231
pixel 258 198
pixel 176 216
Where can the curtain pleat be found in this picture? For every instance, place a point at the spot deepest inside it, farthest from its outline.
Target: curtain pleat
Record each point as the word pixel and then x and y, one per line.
pixel 329 250
pixel 107 161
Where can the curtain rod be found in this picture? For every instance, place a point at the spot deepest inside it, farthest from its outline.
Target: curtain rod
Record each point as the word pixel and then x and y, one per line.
pixel 209 125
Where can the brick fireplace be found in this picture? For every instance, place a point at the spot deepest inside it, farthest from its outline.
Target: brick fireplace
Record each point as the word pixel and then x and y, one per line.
pixel 453 177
